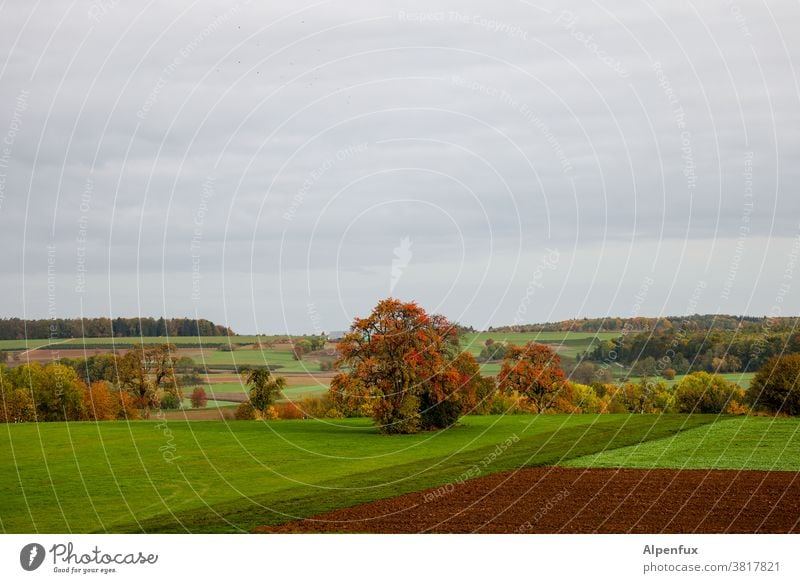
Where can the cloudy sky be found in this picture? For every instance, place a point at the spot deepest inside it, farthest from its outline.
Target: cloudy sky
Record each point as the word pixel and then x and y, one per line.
pixel 281 168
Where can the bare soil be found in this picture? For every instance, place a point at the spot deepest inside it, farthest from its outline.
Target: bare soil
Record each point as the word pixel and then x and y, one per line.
pixel 572 500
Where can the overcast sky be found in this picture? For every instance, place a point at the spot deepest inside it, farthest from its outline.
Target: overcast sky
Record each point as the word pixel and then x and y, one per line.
pixel 281 168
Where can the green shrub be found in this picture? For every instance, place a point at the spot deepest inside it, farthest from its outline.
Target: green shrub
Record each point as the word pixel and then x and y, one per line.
pixel 701 392
pixel 170 401
pixel 776 386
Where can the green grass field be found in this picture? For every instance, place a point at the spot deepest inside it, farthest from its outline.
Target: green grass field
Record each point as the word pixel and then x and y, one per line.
pixel 300 391
pixel 740 443
pixel 22 344
pixel 222 390
pixel 246 357
pixel 229 477
pixel 187 404
pixel 572 342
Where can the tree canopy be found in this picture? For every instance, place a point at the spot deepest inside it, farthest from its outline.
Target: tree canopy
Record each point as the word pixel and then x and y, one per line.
pixel 405 367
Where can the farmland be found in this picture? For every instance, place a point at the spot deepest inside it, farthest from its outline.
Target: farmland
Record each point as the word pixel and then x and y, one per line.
pixel 230 477
pixel 198 470
pixel 222 356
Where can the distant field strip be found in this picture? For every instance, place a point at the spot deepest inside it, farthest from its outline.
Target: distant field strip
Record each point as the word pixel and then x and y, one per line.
pixel 126 341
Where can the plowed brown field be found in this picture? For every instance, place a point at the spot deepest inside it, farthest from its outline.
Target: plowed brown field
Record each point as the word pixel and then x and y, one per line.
pixel 567 500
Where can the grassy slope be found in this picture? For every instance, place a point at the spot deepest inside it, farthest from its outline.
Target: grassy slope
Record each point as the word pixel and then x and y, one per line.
pixel 755 443
pixel 85 477
pixel 572 342
pixel 274 357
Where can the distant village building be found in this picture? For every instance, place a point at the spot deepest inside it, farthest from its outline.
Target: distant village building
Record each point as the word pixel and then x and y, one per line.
pixel 336 335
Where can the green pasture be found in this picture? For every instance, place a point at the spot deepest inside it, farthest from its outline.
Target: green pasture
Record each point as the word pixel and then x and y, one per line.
pixel 211 404
pixel 739 443
pixel 571 343
pixel 281 359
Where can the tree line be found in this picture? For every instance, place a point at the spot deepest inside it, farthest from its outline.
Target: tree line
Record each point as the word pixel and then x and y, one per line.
pixel 19 329
pixel 743 350
pixel 691 323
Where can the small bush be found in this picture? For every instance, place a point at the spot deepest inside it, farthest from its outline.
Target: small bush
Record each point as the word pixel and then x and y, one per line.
pixel 199 398
pixel 319 407
pixel 170 401
pixel 288 411
pixel 613 402
pixel 17 406
pixel 99 402
pixel 586 398
pixel 737 408
pixel 245 412
pixel 566 400
pixel 507 404
pixel 126 406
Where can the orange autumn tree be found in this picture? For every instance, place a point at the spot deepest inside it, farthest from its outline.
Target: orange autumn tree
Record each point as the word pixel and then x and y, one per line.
pixel 534 372
pixel 402 364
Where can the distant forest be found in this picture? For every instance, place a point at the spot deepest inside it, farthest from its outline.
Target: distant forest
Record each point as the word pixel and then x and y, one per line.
pixel 692 323
pixel 18 329
pixel 713 343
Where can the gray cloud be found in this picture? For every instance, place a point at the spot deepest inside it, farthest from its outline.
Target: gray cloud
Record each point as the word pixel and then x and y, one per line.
pixel 283 152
